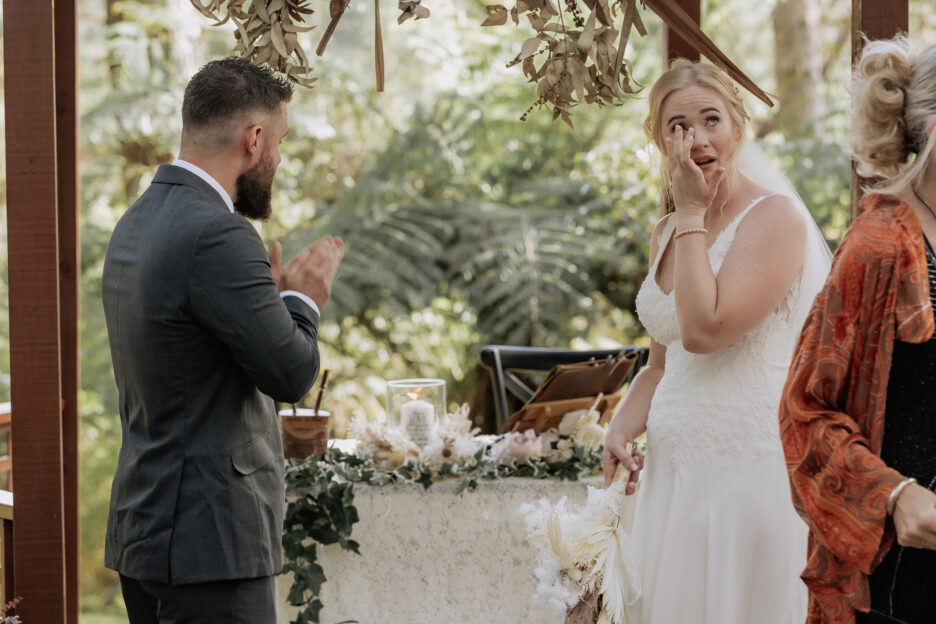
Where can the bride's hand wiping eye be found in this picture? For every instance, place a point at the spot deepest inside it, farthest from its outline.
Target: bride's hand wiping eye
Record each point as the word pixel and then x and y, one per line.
pixel 692 195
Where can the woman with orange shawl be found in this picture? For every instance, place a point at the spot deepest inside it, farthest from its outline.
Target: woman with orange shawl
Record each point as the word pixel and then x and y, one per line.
pixel 858 416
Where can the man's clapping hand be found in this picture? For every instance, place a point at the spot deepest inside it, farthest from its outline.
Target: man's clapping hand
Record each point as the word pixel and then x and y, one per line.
pixel 312 270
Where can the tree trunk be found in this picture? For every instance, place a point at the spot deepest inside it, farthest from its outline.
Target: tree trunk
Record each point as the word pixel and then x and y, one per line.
pixel 798 67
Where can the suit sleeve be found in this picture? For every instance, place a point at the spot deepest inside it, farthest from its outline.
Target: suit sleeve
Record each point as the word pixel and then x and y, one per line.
pixel 840 487
pixel 273 339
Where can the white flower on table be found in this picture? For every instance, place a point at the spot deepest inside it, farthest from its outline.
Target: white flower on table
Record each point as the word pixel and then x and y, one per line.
pixel 455 440
pixel 582 426
pixel 557 448
pixel 519 445
pixel 387 446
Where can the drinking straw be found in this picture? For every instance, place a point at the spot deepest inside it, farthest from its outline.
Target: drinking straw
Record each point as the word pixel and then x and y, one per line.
pixel 318 401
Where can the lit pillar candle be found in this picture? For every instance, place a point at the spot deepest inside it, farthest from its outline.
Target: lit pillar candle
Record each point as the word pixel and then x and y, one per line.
pixel 417 417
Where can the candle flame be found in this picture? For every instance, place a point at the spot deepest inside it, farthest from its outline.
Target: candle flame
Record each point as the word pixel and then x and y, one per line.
pixel 415 394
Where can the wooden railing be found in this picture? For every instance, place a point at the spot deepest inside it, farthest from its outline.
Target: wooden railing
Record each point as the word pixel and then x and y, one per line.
pixel 6 546
pixel 6 504
pixel 6 446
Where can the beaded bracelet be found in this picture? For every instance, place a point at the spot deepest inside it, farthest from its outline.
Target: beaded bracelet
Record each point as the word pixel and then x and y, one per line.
pixel 892 499
pixel 695 230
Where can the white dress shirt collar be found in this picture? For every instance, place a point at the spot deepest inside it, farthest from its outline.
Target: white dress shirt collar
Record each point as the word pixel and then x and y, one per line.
pixel 204 175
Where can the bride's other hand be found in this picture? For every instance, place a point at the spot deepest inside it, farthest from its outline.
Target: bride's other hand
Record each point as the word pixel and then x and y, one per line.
pixel 915 517
pixel 631 418
pixel 692 195
pixel 619 447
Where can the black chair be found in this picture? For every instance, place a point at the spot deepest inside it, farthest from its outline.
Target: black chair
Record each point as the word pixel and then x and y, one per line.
pixel 502 360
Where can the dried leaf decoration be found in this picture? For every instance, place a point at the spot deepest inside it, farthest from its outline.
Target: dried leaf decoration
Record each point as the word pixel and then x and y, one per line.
pixel 581 50
pixel 336 9
pixel 497 15
pixel 411 8
pixel 577 53
pixel 267 32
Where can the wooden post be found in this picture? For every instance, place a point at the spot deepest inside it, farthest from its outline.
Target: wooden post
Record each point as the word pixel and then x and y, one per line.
pixel 66 106
pixel 35 338
pixel 675 46
pixel 876 19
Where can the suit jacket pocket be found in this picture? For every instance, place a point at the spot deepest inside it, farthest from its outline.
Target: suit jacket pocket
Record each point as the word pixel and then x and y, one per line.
pixel 254 455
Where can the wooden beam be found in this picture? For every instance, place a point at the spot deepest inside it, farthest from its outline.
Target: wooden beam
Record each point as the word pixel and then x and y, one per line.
pixel 878 19
pixel 66 105
pixel 675 46
pixel 875 19
pixel 33 265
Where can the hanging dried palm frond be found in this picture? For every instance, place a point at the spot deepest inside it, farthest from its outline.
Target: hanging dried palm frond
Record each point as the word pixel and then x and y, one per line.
pixel 336 9
pixel 583 58
pixel 267 32
pixel 412 8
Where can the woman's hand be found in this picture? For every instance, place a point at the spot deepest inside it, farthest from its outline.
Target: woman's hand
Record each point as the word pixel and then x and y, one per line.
pixel 691 193
pixel 619 446
pixel 915 517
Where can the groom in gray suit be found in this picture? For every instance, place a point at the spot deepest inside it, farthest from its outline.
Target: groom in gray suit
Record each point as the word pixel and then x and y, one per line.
pixel 206 332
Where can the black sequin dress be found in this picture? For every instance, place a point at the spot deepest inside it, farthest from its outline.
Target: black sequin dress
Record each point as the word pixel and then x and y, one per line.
pixel 904 585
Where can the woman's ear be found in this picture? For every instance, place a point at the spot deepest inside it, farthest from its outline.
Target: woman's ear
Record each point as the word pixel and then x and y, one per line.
pixel 930 124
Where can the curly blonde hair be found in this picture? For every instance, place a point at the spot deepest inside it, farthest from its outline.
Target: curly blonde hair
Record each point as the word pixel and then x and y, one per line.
pixel 894 95
pixel 685 73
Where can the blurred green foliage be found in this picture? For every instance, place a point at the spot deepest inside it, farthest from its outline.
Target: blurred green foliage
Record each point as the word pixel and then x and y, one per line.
pixel 463 225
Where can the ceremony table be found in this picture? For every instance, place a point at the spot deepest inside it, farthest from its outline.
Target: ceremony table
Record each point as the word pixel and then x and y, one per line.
pixel 436 557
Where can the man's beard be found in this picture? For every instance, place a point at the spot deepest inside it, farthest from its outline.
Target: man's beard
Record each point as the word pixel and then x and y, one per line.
pixel 254 189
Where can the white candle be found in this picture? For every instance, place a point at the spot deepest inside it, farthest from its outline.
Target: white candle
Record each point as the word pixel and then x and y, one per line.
pixel 417 417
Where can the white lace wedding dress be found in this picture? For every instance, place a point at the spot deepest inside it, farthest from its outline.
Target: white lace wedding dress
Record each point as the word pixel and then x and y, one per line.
pixel 715 537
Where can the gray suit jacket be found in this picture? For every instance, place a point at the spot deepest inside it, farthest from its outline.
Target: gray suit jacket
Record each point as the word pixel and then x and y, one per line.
pixel 202 344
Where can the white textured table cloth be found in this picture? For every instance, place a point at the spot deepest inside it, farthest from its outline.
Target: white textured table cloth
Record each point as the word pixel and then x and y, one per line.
pixel 434 557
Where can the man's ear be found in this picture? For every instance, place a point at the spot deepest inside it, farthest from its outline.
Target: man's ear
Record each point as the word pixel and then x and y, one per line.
pixel 252 140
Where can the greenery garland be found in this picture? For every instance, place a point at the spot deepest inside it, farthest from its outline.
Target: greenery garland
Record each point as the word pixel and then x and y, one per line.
pixel 321 507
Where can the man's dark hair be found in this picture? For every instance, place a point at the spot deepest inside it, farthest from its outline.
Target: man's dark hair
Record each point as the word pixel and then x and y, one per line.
pixel 229 86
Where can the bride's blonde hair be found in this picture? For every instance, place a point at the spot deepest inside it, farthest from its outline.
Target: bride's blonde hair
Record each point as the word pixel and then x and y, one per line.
pixel 894 95
pixel 684 73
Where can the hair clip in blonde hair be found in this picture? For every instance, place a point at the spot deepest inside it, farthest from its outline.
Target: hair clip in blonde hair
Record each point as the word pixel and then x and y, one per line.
pixel 909 144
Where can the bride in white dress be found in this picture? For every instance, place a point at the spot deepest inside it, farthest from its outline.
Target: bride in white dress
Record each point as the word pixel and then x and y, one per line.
pixel 734 268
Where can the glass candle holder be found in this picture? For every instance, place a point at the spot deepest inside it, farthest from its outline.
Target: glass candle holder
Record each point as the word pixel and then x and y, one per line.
pixel 416 406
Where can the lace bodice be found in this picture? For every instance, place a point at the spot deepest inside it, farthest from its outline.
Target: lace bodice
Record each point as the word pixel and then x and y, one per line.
pixel 723 403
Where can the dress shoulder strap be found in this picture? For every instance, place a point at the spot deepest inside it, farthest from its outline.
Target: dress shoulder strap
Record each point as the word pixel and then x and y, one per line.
pixel 725 238
pixel 730 231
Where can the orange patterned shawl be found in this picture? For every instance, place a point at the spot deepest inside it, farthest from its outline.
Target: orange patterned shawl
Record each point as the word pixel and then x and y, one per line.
pixel 832 411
